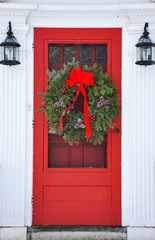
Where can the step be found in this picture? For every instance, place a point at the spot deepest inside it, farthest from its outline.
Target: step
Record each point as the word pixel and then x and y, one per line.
pixel 76 233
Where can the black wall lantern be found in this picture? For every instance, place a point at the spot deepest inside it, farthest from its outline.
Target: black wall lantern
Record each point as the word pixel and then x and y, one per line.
pixel 10 49
pixel 145 49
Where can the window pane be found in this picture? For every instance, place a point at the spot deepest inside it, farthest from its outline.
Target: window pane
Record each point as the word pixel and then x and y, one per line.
pixel 84 155
pixel 69 53
pixel 101 54
pixel 86 54
pixel 57 152
pixel 54 54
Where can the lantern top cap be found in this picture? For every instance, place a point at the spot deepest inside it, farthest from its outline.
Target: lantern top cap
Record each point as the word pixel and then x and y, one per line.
pixel 10 40
pixel 144 39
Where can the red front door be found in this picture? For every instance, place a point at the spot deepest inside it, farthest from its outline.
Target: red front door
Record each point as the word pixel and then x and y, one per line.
pixel 78 185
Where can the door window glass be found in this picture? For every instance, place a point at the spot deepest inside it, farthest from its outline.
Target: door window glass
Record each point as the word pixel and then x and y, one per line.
pixel 85 54
pixel 84 155
pixel 101 54
pixel 69 53
pixel 54 54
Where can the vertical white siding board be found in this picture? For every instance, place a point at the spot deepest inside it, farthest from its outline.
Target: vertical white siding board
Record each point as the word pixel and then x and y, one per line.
pixel 11 141
pixel 1 138
pixel 29 130
pixel 152 142
pixel 6 189
pixel 134 124
pixel 23 129
pixel 149 140
pixel 147 160
pixel 132 143
pixel 140 151
pixel 129 141
pixel 146 141
pixel 125 127
pixel 139 135
pixel 13 138
pixel 136 193
pixel 151 145
pixel 150 148
pixel 141 160
pixel 3 144
pixel 135 135
pixel 17 160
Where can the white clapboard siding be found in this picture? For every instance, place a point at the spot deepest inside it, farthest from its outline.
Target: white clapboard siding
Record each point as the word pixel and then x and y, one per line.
pixel 142 150
pixel 138 139
pixel 12 136
pixel 12 144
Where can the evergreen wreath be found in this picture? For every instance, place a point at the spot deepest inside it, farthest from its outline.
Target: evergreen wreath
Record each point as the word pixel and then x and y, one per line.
pixel 102 102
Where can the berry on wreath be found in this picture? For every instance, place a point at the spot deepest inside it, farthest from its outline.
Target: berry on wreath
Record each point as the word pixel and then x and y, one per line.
pixel 93 118
pixel 64 90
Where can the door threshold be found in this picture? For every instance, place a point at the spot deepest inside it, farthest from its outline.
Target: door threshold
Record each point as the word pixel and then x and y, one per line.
pixel 77 229
pixel 76 233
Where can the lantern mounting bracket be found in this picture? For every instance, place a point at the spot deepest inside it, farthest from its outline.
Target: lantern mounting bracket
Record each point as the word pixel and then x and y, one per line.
pixel 146 33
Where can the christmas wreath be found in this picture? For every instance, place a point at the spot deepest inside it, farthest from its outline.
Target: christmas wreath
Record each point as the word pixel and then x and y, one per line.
pixel 80 103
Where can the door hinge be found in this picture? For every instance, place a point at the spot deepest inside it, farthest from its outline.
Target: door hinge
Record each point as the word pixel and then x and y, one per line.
pixel 33 46
pixel 32 122
pixel 32 199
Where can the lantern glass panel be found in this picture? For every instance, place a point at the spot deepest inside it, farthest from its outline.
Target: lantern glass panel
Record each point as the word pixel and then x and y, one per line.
pixel 2 53
pixel 153 53
pixel 146 53
pixel 8 53
pixel 139 53
pixel 16 53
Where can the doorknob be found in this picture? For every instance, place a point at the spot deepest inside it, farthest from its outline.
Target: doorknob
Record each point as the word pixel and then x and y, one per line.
pixel 117 130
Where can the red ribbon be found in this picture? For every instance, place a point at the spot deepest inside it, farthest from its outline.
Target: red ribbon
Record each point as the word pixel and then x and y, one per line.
pixel 77 76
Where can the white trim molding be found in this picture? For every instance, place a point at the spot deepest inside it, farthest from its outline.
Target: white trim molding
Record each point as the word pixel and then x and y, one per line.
pixel 142 233
pixel 13 233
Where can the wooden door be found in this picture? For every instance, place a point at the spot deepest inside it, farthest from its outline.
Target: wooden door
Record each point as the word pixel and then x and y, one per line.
pixel 78 185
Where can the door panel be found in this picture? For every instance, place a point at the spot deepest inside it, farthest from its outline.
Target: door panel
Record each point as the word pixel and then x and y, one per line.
pixel 79 185
pixel 92 212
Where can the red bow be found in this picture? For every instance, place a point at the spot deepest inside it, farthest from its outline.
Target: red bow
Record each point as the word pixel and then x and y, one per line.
pixel 77 76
